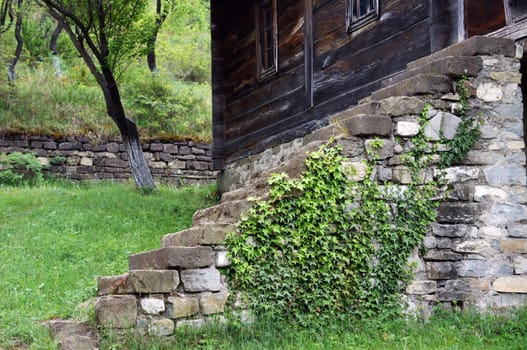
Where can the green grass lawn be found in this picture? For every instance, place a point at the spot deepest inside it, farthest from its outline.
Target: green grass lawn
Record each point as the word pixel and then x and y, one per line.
pixel 56 239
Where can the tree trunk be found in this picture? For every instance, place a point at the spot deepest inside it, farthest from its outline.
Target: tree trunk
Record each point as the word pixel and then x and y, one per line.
pixel 11 74
pixel 151 55
pixel 53 48
pixel 138 166
pixel 129 134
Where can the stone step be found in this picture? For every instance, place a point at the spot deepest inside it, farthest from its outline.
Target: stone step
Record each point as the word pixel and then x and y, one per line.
pixel 365 108
pixel 451 66
pixel 256 188
pixel 223 213
pixel 172 258
pixel 212 234
pixel 418 85
pixel 476 45
pixel 368 124
pixel 139 282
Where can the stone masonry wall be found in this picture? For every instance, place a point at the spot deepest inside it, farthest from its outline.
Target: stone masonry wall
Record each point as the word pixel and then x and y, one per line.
pixel 474 254
pixel 80 158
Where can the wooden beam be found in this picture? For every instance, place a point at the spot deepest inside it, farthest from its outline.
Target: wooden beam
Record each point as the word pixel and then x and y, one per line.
pixel 308 52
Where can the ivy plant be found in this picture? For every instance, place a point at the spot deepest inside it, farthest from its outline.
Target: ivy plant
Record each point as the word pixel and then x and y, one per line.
pixel 324 245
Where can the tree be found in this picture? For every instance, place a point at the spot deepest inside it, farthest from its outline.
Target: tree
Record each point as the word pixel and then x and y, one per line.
pixel 108 35
pixel 11 75
pixel 163 9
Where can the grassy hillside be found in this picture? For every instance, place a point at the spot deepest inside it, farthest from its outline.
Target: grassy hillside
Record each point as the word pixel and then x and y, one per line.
pixel 174 103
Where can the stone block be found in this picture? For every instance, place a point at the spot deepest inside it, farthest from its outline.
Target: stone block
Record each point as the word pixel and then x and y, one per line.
pixel 224 213
pixel 179 307
pixel 406 128
pixel 477 246
pixel 78 342
pixel 201 280
pixel 453 231
pixel 156 147
pixel 460 174
pixel 507 301
pixel 520 265
pixel 151 260
pixel 489 92
pixel 386 149
pixel 112 147
pixel 170 148
pixel 152 306
pixel 511 284
pixel 473 268
pixel 505 176
pixel 118 311
pixel 70 146
pixel 401 105
pixel 194 324
pixel 504 214
pixel 483 193
pixel 442 124
pixel 422 287
pixel 177 164
pixel 441 270
pixel 355 171
pixel 514 246
pixel 222 259
pixel 213 303
pixel 456 290
pixel 189 237
pixel 506 77
pixel 455 212
pixel 442 255
pixel 153 281
pixel 416 85
pixel 184 150
pixel 189 257
pixel 108 285
pixel 369 124
pixel 161 328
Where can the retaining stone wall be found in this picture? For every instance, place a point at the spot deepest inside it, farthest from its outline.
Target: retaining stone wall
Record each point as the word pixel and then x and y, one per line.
pixel 82 159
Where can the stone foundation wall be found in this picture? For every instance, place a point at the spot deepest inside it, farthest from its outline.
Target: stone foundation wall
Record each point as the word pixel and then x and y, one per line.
pixel 476 252
pixel 82 159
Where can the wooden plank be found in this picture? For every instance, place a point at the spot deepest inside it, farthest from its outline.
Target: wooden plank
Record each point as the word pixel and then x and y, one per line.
pixel 352 69
pixel 218 96
pixel 445 24
pixel 308 53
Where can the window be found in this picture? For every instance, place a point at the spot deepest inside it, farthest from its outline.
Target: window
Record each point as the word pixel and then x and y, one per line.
pixel 361 12
pixel 267 39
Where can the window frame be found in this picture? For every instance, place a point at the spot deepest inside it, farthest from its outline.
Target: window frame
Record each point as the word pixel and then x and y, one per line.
pixel 354 22
pixel 267 66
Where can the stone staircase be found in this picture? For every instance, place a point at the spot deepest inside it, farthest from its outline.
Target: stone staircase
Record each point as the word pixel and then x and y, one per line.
pixel 181 284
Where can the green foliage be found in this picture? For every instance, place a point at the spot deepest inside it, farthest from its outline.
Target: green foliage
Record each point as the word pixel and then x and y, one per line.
pixel 323 244
pixel 58 237
pixel 18 169
pixel 467 133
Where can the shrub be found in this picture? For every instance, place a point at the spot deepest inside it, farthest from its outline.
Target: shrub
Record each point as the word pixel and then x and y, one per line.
pixel 18 169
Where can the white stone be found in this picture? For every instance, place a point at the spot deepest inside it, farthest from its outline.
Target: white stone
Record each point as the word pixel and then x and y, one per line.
pixel 516 144
pixel 406 129
pixel 489 92
pixel 483 192
pixel 511 284
pixel 152 306
pixel 157 165
pixel 43 160
pixel 512 94
pixel 86 161
pixel 222 259
pixel 479 247
pixel 492 232
pixel 422 287
pixel 520 265
pixel 459 174
pixel 106 155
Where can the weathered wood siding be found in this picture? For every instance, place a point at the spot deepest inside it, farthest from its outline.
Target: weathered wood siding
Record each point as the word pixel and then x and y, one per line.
pixel 322 68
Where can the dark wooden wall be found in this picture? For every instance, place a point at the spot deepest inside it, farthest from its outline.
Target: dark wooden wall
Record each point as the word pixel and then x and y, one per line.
pixel 323 69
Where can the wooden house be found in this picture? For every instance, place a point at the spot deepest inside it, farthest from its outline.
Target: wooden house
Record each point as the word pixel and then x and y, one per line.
pixel 281 67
